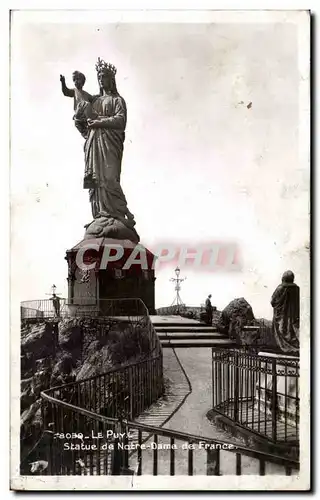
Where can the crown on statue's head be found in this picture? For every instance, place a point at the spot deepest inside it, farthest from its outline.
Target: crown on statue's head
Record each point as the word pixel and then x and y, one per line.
pixel 105 67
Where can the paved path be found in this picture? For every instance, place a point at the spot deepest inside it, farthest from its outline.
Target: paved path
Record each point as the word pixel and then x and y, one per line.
pixel 190 417
pixel 178 320
pixel 176 390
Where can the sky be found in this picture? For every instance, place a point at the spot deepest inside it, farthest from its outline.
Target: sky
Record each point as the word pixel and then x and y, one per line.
pixel 199 165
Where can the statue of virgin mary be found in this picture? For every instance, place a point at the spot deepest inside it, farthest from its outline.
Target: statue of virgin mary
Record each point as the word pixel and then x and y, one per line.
pixel 103 124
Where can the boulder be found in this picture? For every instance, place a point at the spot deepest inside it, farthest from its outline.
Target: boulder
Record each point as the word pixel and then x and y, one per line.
pixel 40 381
pixel 43 364
pixel 98 360
pixel 31 420
pixel 62 370
pixel 28 364
pixel 38 342
pixel 26 383
pixel 27 398
pixel 234 317
pixel 70 337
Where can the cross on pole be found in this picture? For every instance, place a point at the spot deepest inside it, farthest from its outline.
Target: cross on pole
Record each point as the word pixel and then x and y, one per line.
pixel 53 291
pixel 177 280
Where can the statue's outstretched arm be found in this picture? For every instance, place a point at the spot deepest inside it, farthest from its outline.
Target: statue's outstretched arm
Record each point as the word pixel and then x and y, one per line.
pixel 67 92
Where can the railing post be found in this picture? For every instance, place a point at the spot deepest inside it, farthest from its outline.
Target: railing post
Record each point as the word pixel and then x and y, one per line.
pixel 213 462
pixel 116 456
pixel 274 400
pixel 116 459
pixel 212 377
pixel 125 461
pixel 131 395
pixel 236 388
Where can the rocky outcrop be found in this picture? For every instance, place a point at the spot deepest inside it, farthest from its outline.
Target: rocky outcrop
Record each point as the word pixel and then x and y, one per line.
pixel 56 353
pixel 37 341
pixel 98 360
pixel 31 426
pixel 70 339
pixel 234 317
pixel 62 371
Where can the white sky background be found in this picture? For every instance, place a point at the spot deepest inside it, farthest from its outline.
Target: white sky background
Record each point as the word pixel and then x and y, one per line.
pixel 197 166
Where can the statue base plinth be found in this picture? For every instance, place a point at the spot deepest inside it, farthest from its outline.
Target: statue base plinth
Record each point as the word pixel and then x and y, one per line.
pixel 106 268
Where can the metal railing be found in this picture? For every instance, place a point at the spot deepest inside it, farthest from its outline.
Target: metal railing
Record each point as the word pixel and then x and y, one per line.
pixel 90 431
pixel 257 392
pixel 86 443
pixel 171 310
pixel 126 389
pixel 131 308
pixel 98 318
pixel 123 392
pixel 42 309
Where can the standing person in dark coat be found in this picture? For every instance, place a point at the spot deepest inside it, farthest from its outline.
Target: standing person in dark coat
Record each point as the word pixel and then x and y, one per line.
pixel 209 308
pixel 56 305
pixel 286 314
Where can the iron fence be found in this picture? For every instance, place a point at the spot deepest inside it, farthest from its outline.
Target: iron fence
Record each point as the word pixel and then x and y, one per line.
pixel 119 447
pixel 172 310
pixel 43 309
pixel 131 311
pixel 131 308
pixel 123 392
pixel 258 392
pixel 90 430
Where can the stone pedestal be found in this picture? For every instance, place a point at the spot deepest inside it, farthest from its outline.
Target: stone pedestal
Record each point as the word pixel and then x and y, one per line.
pixel 120 269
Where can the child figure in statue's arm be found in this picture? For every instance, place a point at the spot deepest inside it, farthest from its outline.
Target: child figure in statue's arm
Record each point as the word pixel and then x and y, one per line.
pixel 82 103
pixel 77 92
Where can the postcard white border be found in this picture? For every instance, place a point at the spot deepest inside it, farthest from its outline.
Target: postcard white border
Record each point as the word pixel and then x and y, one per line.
pixel 301 18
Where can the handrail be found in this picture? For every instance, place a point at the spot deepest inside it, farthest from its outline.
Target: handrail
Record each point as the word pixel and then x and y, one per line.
pixel 191 438
pixel 118 368
pixel 259 393
pixel 82 411
pixel 194 438
pixel 83 307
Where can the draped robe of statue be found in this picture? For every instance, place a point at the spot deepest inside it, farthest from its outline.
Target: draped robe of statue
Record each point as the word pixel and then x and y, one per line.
pixel 286 317
pixel 103 156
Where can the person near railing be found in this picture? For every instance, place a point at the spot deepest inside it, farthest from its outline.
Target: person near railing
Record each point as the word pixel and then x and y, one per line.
pixel 286 314
pixel 208 308
pixel 56 304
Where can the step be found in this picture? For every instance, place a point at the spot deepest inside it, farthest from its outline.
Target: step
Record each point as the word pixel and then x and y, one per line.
pixel 186 324
pixel 197 343
pixel 185 328
pixel 174 321
pixel 191 336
